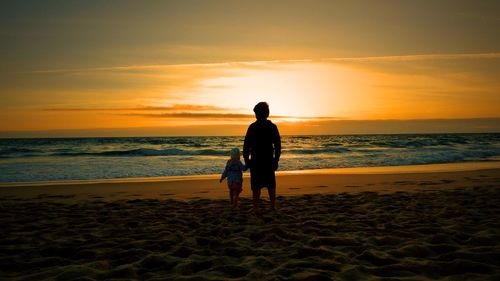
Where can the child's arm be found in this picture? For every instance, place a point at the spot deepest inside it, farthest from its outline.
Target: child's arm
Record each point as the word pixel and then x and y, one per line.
pixel 222 177
pixel 243 167
pixel 224 174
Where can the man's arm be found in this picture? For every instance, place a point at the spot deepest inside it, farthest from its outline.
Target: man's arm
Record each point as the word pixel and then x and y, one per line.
pixel 277 146
pixel 246 148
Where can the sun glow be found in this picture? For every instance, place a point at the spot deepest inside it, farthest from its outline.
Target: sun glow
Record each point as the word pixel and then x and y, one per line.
pixel 292 89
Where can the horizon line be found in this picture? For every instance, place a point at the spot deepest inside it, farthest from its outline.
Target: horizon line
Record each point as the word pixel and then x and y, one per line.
pixel 361 129
pixel 237 135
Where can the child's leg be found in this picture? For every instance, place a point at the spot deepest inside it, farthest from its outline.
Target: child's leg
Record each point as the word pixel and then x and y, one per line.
pixel 231 196
pixel 236 198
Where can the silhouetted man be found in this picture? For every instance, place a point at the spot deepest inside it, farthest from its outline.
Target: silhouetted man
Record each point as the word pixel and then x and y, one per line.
pixel 262 150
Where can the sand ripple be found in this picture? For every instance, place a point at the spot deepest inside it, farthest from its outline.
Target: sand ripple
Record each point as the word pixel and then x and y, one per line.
pixel 449 235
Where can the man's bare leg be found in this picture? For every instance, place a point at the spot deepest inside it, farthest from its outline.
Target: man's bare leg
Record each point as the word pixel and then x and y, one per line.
pixel 256 198
pixel 272 197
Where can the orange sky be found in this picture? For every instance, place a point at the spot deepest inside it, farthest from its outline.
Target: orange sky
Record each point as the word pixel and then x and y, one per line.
pixel 189 68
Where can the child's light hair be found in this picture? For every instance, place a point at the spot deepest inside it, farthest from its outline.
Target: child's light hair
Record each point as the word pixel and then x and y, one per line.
pixel 235 153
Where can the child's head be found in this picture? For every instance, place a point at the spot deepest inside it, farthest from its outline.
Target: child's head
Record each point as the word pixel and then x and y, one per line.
pixel 235 154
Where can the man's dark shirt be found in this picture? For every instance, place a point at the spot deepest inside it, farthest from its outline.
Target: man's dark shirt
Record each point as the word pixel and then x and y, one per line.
pixel 262 151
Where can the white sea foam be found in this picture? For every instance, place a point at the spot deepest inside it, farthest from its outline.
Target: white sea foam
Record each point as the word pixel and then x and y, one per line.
pixel 24 160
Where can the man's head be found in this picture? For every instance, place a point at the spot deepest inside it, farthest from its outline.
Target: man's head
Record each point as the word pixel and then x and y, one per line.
pixel 261 110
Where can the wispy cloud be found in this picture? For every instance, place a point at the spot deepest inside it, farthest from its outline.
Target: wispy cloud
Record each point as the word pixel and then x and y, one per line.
pixel 223 116
pixel 183 111
pixel 196 115
pixel 424 57
pixel 175 107
pixel 158 67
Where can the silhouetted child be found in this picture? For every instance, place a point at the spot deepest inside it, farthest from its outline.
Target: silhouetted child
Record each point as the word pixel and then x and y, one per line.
pixel 234 174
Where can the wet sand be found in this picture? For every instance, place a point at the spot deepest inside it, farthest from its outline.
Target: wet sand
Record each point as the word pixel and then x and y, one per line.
pixel 410 226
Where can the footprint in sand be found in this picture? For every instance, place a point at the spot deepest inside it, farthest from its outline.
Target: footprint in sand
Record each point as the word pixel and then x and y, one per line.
pixel 435 182
pixel 405 182
pixel 447 181
pixel 60 196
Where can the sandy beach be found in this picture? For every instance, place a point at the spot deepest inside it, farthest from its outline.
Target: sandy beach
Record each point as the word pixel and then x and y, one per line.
pixel 433 222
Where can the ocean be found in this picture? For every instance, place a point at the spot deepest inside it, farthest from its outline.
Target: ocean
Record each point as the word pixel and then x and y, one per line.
pixel 34 160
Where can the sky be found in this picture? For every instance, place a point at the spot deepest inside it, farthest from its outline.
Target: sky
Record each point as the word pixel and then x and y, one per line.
pixel 138 68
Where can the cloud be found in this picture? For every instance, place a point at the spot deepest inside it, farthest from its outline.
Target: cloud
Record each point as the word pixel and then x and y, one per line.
pixel 223 116
pixel 175 107
pixel 158 67
pixel 424 57
pixel 197 115
pixel 257 63
pixel 183 111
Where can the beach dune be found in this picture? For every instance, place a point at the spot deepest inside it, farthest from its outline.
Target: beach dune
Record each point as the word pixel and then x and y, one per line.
pixel 346 226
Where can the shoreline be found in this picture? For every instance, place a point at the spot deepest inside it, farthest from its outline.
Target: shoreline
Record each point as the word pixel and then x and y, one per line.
pixel 403 169
pixel 289 183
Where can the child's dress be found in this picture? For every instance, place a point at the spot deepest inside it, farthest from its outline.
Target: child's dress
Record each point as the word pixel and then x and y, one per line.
pixel 234 173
